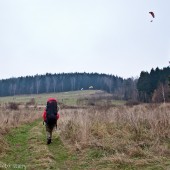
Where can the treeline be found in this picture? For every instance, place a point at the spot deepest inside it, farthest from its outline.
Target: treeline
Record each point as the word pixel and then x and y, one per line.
pixel 153 86
pixel 149 87
pixel 48 83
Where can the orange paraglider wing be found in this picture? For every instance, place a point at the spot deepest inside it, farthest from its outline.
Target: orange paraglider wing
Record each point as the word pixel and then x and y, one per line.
pixel 153 15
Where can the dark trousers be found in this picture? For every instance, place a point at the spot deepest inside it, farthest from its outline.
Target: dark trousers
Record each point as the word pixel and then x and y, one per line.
pixel 49 130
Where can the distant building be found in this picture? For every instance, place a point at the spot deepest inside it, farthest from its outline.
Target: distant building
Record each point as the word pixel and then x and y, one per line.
pixel 91 87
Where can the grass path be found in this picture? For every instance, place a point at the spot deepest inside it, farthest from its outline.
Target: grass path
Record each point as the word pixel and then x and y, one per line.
pixel 28 150
pixel 18 152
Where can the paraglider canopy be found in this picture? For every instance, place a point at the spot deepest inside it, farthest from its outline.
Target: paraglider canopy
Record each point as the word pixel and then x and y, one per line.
pixel 152 13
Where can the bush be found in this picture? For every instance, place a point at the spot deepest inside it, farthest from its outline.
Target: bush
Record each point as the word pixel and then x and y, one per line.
pixel 13 106
pixel 31 102
pixel 132 103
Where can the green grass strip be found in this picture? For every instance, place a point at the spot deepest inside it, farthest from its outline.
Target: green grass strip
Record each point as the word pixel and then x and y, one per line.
pixel 18 154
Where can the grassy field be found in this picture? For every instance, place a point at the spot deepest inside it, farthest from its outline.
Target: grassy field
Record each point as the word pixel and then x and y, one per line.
pixel 99 134
pixel 120 137
pixel 67 98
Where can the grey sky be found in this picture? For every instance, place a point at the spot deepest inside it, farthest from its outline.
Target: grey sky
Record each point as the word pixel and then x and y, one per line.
pixel 105 36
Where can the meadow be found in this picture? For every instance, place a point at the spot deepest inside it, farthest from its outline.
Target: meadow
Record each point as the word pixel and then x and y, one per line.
pixel 94 132
pixel 68 98
pixel 120 137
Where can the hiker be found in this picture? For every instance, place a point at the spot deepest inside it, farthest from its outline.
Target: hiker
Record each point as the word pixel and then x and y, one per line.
pixel 50 117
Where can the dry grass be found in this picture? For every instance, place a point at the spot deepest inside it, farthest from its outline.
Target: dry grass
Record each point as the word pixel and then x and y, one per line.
pixel 137 135
pixel 122 135
pixel 42 158
pixel 12 118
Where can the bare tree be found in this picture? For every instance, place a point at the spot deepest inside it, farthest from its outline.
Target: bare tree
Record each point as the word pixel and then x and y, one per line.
pixel 47 82
pixel 31 88
pixel 108 82
pixel 37 81
pixel 73 81
pixel 14 87
pixel 130 90
pixel 54 83
pixel 161 93
pixel 10 89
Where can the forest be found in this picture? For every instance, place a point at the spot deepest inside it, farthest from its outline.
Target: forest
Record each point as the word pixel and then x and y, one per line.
pixel 154 86
pixel 149 87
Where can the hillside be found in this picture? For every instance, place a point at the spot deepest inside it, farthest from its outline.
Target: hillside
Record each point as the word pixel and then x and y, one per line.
pixel 149 87
pixel 64 82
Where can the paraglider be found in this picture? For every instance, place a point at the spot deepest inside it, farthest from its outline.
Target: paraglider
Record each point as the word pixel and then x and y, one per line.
pixel 153 15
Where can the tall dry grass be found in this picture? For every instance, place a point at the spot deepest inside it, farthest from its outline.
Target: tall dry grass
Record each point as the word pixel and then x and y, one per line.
pixel 123 133
pixel 11 117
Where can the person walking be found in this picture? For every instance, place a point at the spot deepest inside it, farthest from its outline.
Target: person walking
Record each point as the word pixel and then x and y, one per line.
pixel 50 117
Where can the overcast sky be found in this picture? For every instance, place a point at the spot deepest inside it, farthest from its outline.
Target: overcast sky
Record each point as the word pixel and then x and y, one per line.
pixel 104 36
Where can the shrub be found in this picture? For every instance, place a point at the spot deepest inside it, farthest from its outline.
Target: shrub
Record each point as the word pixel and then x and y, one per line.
pixel 31 102
pixel 132 103
pixel 13 106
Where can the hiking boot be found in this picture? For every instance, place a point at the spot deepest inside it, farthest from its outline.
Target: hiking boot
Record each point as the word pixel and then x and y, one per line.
pixel 48 141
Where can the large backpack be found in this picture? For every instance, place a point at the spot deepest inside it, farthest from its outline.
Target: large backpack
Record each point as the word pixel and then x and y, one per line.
pixel 51 110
